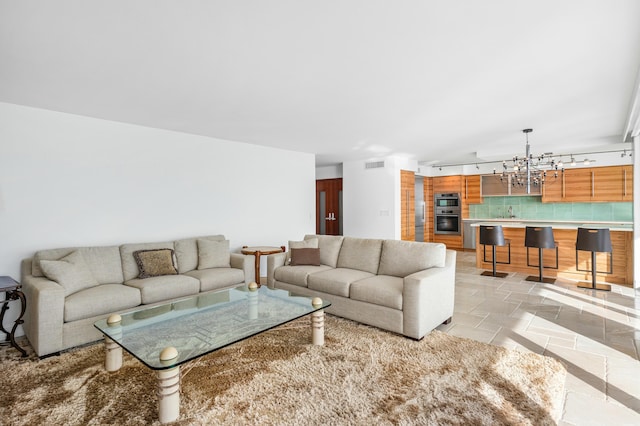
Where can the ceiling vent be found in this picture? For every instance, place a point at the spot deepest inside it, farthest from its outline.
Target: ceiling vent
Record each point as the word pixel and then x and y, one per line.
pixel 374 164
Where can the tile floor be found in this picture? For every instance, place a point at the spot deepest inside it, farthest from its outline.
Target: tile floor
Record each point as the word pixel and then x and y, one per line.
pixel 595 334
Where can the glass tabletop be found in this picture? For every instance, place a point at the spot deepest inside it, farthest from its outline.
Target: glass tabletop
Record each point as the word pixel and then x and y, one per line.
pixel 198 325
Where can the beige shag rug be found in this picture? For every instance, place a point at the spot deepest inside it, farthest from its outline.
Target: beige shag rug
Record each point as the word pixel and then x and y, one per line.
pixel 361 376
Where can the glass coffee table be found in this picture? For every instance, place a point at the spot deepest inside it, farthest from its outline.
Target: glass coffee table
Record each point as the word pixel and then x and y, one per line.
pixel 166 336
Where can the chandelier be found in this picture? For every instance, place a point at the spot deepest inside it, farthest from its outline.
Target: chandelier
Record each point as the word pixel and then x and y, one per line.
pixel 529 171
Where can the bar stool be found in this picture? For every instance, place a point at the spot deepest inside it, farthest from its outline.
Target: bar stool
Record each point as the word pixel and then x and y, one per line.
pixel 595 240
pixel 493 236
pixel 540 237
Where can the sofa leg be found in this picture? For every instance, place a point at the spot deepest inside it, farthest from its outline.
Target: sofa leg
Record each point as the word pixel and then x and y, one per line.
pixel 447 321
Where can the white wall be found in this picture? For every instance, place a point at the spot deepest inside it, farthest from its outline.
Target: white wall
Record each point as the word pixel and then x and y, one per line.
pixel 67 180
pixel 372 198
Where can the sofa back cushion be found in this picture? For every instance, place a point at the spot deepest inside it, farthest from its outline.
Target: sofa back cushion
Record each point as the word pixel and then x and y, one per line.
pixel 329 246
pixel 103 262
pixel 402 258
pixel 187 252
pixel 129 266
pixel 360 253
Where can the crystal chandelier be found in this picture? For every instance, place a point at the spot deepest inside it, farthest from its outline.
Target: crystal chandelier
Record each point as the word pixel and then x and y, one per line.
pixel 529 170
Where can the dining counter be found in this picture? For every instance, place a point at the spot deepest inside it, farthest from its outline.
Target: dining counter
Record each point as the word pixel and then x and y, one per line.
pixel 565 233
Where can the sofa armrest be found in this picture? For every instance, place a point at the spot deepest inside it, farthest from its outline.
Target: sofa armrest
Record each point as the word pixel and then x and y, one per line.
pixel 274 261
pixel 246 263
pixel 44 316
pixel 428 298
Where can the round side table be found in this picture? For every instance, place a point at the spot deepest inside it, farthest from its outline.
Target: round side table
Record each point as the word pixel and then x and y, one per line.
pixel 257 251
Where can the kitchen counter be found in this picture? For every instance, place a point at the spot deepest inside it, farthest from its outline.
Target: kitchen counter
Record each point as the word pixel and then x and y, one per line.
pixel 565 233
pixel 555 224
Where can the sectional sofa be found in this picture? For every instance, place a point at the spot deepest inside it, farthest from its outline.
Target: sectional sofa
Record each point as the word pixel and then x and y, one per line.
pixel 401 286
pixel 69 289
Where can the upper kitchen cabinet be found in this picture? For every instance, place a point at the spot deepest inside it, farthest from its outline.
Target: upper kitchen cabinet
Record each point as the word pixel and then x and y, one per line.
pixel 447 184
pixel 472 193
pixel 594 184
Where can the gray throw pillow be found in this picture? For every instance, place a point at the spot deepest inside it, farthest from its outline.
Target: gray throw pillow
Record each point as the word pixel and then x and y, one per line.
pixel 213 254
pixel 71 272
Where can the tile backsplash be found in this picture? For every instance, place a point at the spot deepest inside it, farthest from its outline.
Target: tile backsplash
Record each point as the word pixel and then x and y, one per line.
pixel 526 207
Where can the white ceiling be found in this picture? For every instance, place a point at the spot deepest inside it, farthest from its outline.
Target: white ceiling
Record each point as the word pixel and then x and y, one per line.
pixel 448 80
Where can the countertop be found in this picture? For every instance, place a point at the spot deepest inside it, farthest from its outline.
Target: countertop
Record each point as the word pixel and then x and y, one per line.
pixel 556 224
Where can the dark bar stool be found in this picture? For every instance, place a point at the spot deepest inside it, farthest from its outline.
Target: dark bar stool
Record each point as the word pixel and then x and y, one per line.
pixel 540 237
pixel 595 240
pixel 493 236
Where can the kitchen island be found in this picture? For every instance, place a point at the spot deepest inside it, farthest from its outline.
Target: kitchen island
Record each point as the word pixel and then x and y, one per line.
pixel 565 233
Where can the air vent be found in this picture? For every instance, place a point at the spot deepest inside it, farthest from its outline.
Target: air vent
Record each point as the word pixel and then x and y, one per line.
pixel 374 165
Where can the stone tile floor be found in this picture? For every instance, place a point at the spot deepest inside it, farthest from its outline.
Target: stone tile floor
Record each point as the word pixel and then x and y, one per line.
pixel 595 334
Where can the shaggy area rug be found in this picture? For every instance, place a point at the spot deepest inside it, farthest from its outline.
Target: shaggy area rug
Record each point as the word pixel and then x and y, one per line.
pixel 361 376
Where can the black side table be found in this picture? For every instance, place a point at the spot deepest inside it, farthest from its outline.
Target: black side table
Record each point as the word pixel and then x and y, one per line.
pixel 13 291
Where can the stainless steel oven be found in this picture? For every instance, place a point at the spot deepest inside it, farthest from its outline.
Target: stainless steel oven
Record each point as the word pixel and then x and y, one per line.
pixel 447 218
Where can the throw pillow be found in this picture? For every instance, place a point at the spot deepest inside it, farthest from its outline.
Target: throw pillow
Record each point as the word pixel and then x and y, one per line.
pixel 310 243
pixel 71 272
pixel 305 256
pixel 154 263
pixel 213 254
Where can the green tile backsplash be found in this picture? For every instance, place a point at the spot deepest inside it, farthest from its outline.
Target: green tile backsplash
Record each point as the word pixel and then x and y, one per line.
pixel 533 208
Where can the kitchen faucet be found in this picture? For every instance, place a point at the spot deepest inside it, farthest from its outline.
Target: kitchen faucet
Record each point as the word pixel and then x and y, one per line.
pixel 510 212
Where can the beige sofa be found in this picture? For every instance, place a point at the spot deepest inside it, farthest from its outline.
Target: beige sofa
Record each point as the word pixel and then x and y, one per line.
pixel 401 286
pixel 104 280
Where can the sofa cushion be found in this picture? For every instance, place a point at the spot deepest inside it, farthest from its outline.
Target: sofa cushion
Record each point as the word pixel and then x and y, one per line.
pixel 100 300
pixel 402 258
pixel 329 246
pixel 360 253
pixel 129 266
pixel 297 275
pixel 103 261
pixel 158 289
pixel 154 263
pixel 213 254
pixel 187 252
pixel 305 256
pixel 336 281
pixel 306 243
pixel 71 272
pixel 382 290
pixel 214 278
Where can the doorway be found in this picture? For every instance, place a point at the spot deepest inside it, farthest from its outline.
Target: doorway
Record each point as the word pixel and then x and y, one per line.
pixel 329 206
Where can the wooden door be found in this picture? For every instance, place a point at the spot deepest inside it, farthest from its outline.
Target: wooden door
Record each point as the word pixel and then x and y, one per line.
pixel 407 205
pixel 627 183
pixel 428 199
pixel 329 206
pixel 578 185
pixel 447 184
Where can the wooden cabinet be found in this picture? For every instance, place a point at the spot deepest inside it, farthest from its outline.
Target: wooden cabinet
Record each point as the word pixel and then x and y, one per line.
pixel 472 193
pixel 407 205
pixel 447 184
pixel 593 184
pixel 427 189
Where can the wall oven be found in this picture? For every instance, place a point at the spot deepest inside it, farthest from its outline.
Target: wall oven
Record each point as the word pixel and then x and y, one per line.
pixel 447 218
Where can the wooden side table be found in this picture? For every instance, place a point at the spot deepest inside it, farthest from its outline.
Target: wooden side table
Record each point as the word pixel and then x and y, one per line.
pixel 13 291
pixel 257 251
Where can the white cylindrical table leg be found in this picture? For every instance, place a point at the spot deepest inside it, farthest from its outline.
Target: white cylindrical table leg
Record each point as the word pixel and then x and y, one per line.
pixel 317 323
pixel 113 359
pixel 169 387
pixel 113 356
pixel 169 394
pixel 317 327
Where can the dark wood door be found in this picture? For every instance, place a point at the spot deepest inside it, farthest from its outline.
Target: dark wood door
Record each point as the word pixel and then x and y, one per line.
pixel 329 206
